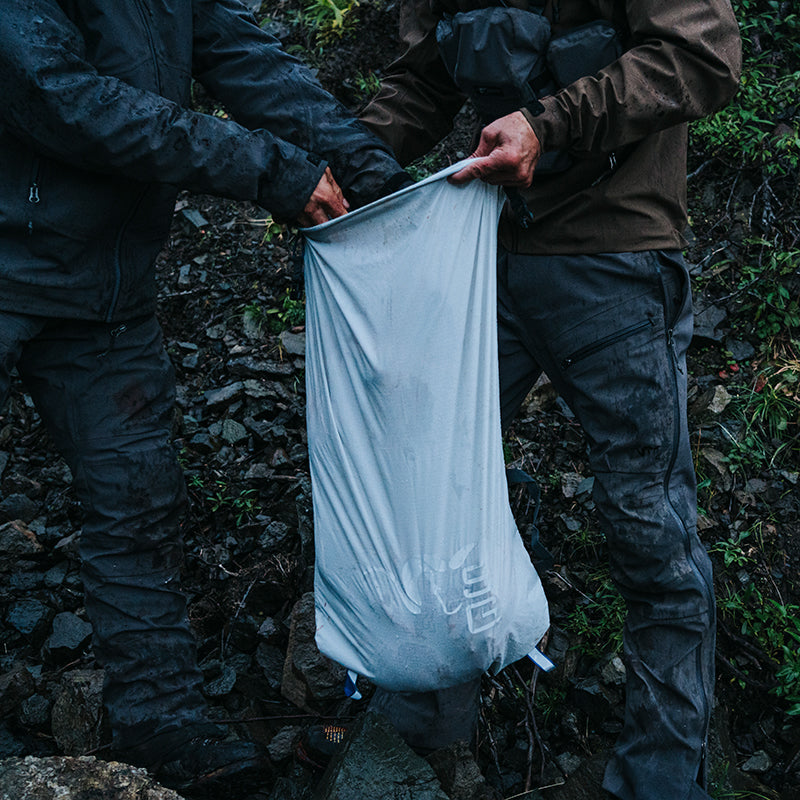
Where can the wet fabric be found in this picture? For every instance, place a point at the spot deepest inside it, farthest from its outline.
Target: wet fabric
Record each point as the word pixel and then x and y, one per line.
pixel 422 581
pixel 106 395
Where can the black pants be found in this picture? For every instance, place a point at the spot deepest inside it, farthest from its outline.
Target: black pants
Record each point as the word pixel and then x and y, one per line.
pixel 611 331
pixel 106 395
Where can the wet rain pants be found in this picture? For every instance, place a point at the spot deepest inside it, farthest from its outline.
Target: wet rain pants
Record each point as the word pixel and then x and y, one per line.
pixel 611 331
pixel 105 393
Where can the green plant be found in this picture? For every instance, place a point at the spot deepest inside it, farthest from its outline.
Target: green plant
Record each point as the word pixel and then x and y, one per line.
pixel 328 18
pixel 732 550
pixel 242 504
pixel 760 127
pixel 775 628
pixel 549 702
pixel 789 676
pixel 598 619
pixel 290 313
pixel 769 411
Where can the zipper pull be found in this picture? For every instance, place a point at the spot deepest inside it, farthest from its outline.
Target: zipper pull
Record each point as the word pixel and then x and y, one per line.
pixel 671 343
pixel 33 195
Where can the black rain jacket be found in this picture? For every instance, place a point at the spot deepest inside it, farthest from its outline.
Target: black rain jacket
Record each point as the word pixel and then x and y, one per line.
pixel 96 138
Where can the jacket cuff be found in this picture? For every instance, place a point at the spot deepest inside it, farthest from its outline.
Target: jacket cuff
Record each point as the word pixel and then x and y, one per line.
pixel 550 124
pixel 291 176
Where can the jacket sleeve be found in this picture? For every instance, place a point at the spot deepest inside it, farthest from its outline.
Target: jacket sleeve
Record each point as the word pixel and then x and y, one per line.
pixel 417 101
pixel 57 103
pixel 264 87
pixel 683 63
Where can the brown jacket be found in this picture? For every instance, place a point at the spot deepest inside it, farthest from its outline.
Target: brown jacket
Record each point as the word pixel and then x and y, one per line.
pixel 682 63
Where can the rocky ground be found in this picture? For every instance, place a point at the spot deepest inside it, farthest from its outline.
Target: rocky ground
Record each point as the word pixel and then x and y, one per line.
pixel 232 312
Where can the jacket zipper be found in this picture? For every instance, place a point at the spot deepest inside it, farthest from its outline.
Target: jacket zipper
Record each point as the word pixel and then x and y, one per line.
pixel 112 307
pixel 33 190
pixel 601 344
pixel 144 14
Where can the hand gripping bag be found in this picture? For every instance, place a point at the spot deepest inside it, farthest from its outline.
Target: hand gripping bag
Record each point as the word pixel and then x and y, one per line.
pixel 422 581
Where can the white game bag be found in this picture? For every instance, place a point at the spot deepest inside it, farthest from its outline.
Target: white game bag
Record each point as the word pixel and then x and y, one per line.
pixel 422 581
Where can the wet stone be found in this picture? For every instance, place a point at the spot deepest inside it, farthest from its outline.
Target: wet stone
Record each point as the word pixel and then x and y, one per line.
pixel 374 762
pixel 270 659
pixel 222 683
pixel 18 507
pixel 293 343
pixel 758 762
pixel 282 745
pixel 56 575
pixel 30 618
pixel 16 686
pixel 65 778
pixel 217 397
pixel 613 672
pixel 233 432
pixel 307 674
pixel 18 540
pixel 34 712
pixel 458 773
pixel 274 536
pixel 77 711
pixel 69 636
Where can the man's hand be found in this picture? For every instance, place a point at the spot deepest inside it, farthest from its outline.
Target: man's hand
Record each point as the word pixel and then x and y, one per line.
pixel 326 202
pixel 507 154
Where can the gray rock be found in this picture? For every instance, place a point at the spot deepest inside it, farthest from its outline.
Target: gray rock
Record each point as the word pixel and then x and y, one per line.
pixel 3 462
pixel 219 397
pixel 77 711
pixel 281 746
pixel 184 276
pixel 613 672
pixel 17 507
pixel 568 762
pixel 34 712
pixel 741 351
pixel 250 367
pixel 458 773
pixel 707 319
pixel 56 575
pixel 69 636
pixel 268 629
pixel 18 540
pixel 758 762
pixel 589 696
pixel 30 617
pixel 271 660
pixel 376 763
pixel 307 674
pixel 216 332
pixel 222 684
pixel 293 343
pixel 9 744
pixel 194 217
pixel 259 472
pixel 64 778
pixel 274 536
pixel 233 432
pixel 16 686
